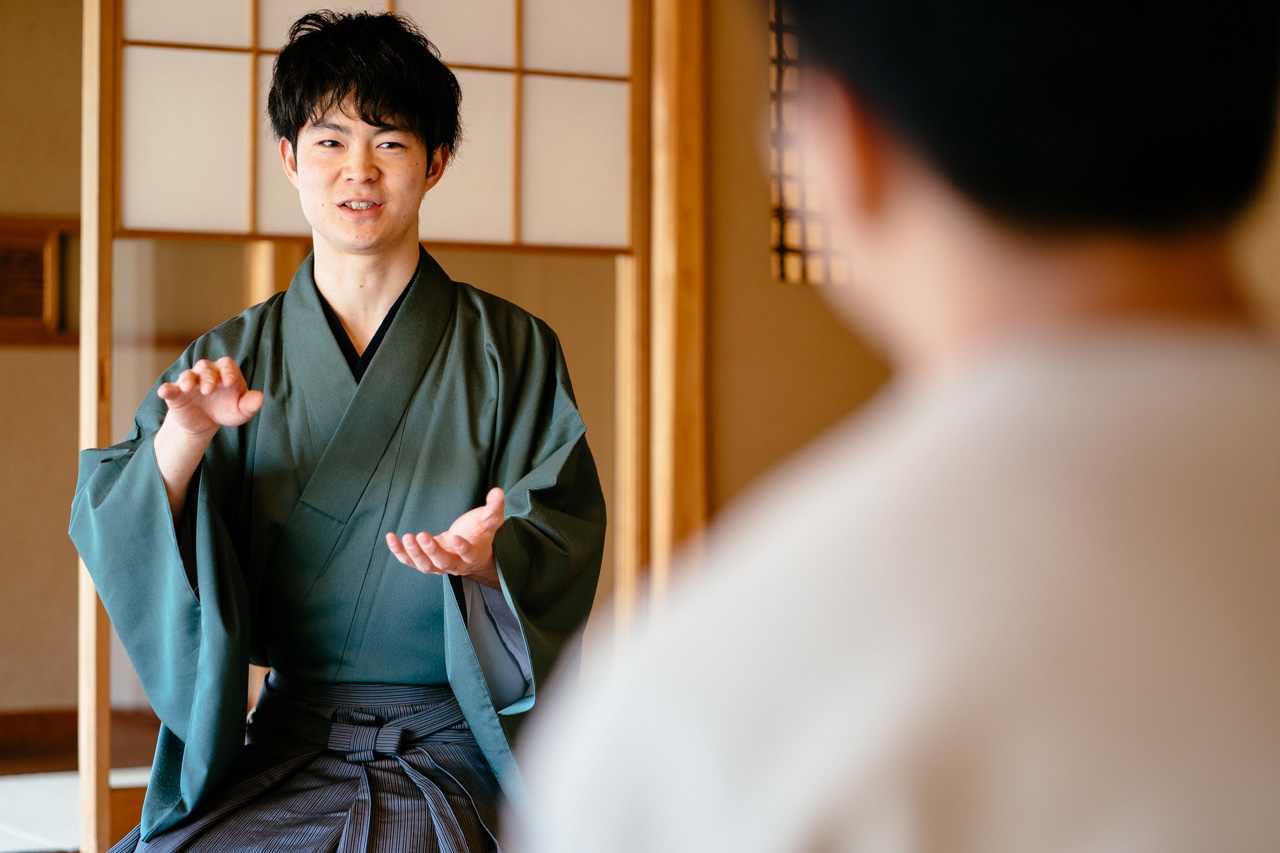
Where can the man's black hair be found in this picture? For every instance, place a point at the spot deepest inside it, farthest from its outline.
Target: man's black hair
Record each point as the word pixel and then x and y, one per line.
pixel 381 64
pixel 1146 117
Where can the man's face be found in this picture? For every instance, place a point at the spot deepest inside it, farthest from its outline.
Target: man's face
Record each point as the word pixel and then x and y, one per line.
pixel 360 185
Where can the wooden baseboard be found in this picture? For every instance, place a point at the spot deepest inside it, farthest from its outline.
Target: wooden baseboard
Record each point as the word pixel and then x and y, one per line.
pixel 133 715
pixel 33 730
pixel 126 811
pixel 54 731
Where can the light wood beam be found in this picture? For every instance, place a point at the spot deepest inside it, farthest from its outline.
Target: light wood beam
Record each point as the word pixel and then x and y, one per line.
pixel 679 437
pixel 630 510
pixel 629 513
pixel 97 206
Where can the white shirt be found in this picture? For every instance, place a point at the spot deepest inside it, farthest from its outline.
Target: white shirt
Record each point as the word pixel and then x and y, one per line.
pixel 1033 608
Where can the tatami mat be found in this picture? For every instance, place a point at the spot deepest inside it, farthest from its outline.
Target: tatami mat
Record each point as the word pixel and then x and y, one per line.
pixel 40 812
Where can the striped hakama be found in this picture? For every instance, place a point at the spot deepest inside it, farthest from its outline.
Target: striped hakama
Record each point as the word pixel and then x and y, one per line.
pixel 347 767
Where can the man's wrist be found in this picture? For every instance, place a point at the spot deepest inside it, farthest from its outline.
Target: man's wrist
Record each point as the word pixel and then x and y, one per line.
pixel 175 431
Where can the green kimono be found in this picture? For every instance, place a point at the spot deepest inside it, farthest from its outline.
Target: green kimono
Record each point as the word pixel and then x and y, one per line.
pixel 279 557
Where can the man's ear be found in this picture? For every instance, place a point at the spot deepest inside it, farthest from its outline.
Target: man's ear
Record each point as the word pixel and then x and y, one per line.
pixel 846 144
pixel 290 161
pixel 435 170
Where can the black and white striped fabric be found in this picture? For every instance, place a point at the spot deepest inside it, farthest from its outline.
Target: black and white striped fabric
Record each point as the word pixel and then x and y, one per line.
pixel 347 767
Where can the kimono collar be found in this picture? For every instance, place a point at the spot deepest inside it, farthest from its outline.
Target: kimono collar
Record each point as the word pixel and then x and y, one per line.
pixel 348 422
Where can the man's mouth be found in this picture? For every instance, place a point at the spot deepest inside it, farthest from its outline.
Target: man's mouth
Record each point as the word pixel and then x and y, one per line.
pixel 359 205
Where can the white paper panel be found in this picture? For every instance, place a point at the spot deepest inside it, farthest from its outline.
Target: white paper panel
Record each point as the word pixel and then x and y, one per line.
pixel 185 163
pixel 275 17
pixel 470 32
pixel 586 36
pixel 220 22
pixel 474 201
pixel 278 209
pixel 575 162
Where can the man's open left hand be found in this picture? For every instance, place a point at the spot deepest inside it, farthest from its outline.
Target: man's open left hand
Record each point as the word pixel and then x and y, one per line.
pixel 465 549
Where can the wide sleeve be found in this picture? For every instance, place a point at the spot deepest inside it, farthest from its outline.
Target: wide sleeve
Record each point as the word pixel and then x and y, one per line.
pixel 176 595
pixel 550 546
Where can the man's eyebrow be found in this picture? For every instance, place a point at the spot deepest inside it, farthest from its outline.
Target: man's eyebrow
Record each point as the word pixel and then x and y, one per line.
pixel 332 127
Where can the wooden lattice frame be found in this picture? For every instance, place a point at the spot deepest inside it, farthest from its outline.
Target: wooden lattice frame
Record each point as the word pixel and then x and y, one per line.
pixel 800 237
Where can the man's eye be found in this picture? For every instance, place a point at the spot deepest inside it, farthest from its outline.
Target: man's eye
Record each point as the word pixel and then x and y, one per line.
pixel 328 143
pixel 391 145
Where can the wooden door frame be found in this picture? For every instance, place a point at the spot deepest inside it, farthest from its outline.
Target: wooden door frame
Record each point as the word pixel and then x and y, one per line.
pixel 97 206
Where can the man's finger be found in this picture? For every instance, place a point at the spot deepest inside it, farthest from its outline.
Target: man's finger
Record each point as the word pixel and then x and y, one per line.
pixel 426 556
pixel 496 503
pixel 187 380
pixel 229 371
pixel 414 550
pixel 397 550
pixel 459 546
pixel 250 402
pixel 205 374
pixel 440 557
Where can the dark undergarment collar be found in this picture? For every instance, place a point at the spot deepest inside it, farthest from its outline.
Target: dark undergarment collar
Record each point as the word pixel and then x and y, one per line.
pixel 359 362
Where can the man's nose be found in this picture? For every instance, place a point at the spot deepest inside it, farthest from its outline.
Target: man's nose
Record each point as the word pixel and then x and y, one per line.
pixel 359 165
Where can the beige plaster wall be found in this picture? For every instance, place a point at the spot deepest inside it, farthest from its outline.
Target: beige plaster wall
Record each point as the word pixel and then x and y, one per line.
pixel 37 562
pixel 40 150
pixel 40 102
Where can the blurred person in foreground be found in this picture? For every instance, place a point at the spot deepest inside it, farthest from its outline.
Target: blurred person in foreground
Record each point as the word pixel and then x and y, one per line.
pixel 1030 600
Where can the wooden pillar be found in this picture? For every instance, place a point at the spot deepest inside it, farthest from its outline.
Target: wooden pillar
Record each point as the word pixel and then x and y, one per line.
pixel 679 234
pixel 629 511
pixel 97 207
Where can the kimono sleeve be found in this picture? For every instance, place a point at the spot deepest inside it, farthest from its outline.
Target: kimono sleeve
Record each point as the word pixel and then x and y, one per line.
pixel 550 547
pixel 176 596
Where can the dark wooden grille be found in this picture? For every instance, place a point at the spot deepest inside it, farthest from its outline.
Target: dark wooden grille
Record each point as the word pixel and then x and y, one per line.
pixel 22 282
pixel 799 235
pixel 30 280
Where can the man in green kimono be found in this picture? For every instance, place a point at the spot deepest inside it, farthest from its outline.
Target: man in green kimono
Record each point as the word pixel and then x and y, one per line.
pixel 296 459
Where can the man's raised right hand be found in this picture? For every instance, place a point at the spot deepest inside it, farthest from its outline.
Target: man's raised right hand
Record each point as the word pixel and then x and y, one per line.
pixel 209 395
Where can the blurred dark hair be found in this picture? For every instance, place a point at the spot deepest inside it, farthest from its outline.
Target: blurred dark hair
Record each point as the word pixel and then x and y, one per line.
pixel 382 64
pixel 1139 116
